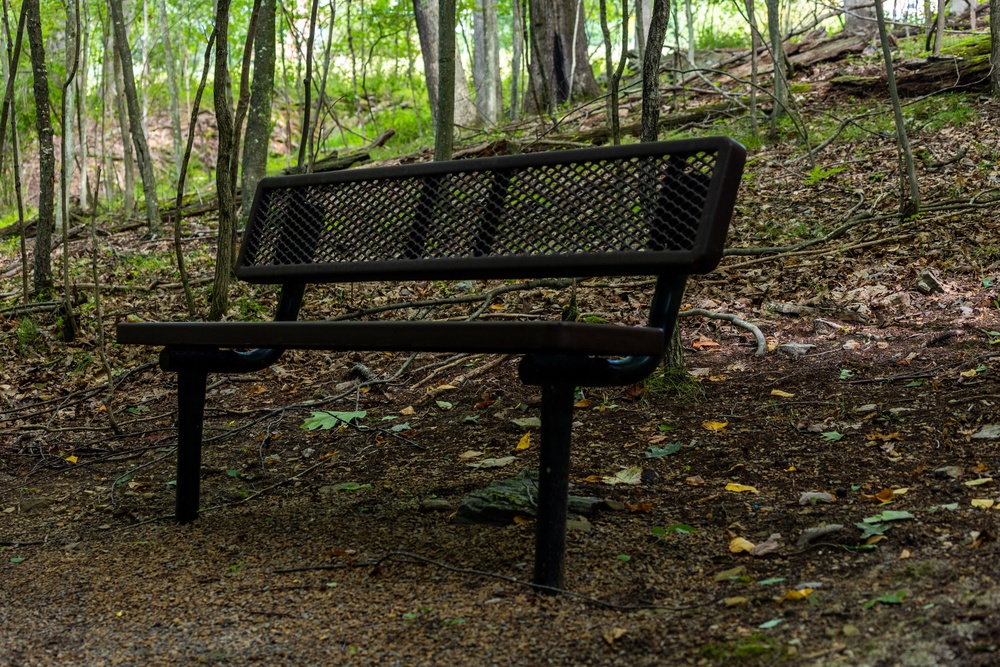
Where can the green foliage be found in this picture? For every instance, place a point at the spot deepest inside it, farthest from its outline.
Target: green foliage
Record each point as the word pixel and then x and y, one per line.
pixel 27 334
pixel 819 174
pixel 326 420
pixel 674 384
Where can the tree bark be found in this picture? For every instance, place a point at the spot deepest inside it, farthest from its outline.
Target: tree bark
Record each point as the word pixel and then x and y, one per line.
pixel 42 279
pixel 128 159
pixel 780 70
pixel 913 206
pixel 939 30
pixel 560 68
pixel 995 47
pixel 225 252
pixel 517 27
pixel 135 119
pixel 257 142
pixel 643 16
pixel 444 124
pixel 175 98
pixel 486 61
pixel 426 13
pixel 651 70
pixel 859 17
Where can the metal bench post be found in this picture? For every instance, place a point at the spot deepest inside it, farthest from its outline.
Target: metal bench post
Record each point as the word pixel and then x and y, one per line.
pixel 191 387
pixel 553 483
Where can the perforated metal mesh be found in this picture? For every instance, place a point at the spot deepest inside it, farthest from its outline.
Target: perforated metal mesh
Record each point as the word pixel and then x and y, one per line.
pixel 601 207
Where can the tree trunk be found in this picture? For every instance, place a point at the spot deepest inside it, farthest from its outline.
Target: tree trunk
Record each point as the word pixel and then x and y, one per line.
pixel 225 252
pixel 444 124
pixel 995 46
pixel 754 45
pixel 643 15
pixel 426 13
pixel 859 17
pixel 651 70
pixel 614 76
pixel 135 119
pixel 258 136
pixel 486 61
pixel 560 67
pixel 517 28
pixel 913 206
pixel 175 98
pixel 689 20
pixel 128 160
pixel 46 153
pixel 81 113
pixel 307 85
pixel 939 29
pixel 780 71
pixel 66 160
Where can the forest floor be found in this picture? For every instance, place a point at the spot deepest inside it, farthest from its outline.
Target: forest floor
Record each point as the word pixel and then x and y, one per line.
pixel 321 545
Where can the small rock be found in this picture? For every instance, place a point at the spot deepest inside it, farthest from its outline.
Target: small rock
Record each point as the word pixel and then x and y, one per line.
pixel 949 471
pixel 614 505
pixel 579 524
pixel 988 432
pixel 795 349
pixel 32 504
pixel 850 630
pixel 866 408
pixel 435 505
pixel 928 283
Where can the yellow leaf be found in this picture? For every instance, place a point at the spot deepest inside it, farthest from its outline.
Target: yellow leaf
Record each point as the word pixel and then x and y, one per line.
pixel 592 479
pixel 739 545
pixel 72 459
pixel 735 601
pixel 613 635
pixel 715 426
pixel 497 306
pixel 525 441
pixel 407 411
pixel 741 488
pixel 471 454
pixel 781 394
pixel 985 503
pixel 971 373
pixel 791 469
pixel 518 519
pixel 978 482
pixel 885 495
pixel 257 389
pixel 800 594
pixel 900 492
pixel 582 403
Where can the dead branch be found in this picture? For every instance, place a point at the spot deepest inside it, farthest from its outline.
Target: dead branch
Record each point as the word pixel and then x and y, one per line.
pixel 734 320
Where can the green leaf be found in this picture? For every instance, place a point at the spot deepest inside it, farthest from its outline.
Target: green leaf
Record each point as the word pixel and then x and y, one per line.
pixel 682 528
pixel 773 623
pixel 324 420
pixel 624 558
pixel 869 529
pixel 528 422
pixel 233 473
pixel 470 419
pixel 352 486
pixel 663 428
pixel 444 405
pixel 657 452
pixel 846 374
pixel 17 560
pixel 831 436
pixel 889 515
pixel 772 580
pixel 658 531
pixel 398 428
pixel 888 598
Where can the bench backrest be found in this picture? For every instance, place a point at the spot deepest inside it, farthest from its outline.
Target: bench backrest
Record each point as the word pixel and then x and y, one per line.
pixel 626 210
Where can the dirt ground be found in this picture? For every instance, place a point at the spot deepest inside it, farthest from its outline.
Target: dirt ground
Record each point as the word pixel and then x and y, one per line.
pixel 833 503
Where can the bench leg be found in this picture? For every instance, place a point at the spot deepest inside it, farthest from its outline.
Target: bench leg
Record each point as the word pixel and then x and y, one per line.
pixel 190 417
pixel 553 484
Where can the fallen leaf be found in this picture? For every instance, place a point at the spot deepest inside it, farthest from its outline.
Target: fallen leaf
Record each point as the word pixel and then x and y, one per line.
pixel 493 463
pixel 730 574
pixel 484 404
pixel 884 437
pixel 971 373
pixel 741 488
pixel 735 601
pixel 407 411
pixel 772 544
pixel 613 635
pixel 257 389
pixel 971 482
pixel 582 403
pixel 528 422
pixel 885 495
pixel 471 454
pixel 525 441
pixel 801 594
pixel 905 553
pixel 518 519
pixel 71 459
pixel 704 344
pixel 640 508
pixel 695 480
pixel 630 476
pixel 715 426
pixel 739 545
pixel 985 503
pixel 813 497
pixel 781 394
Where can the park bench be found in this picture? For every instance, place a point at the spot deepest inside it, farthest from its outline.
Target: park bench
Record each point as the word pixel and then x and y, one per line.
pixel 660 209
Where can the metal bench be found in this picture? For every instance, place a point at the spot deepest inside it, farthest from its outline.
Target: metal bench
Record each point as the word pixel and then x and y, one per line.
pixel 659 209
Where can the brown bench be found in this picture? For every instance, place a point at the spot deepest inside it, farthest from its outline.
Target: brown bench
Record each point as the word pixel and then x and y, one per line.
pixel 659 209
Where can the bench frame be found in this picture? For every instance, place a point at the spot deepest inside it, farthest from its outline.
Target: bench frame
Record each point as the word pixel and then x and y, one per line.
pixel 558 356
